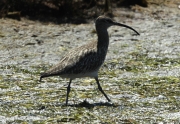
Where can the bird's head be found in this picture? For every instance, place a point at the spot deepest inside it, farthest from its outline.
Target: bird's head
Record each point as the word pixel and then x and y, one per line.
pixel 106 22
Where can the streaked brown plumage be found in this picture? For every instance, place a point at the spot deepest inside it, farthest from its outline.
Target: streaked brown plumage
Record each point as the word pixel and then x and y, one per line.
pixel 86 60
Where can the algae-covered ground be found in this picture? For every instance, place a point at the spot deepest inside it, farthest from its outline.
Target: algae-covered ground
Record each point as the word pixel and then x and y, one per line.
pixel 141 74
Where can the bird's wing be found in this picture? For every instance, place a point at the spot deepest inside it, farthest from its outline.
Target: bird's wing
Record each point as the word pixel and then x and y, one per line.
pixel 78 60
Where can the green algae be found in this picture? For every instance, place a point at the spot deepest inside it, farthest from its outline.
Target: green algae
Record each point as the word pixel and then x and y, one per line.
pixel 162 93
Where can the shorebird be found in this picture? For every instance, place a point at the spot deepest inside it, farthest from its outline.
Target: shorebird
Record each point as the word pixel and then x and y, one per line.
pixel 85 61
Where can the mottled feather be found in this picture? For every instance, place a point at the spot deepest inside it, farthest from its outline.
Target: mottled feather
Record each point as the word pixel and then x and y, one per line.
pixel 81 60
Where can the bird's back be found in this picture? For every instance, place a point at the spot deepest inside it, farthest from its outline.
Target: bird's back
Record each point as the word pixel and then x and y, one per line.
pixel 79 62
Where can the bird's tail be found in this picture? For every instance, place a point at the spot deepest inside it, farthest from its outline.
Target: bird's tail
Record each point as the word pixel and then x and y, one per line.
pixel 43 75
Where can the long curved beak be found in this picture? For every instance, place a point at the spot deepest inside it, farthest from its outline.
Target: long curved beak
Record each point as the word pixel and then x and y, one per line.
pixel 119 24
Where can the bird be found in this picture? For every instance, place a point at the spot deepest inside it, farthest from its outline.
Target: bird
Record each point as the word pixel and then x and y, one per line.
pixel 86 60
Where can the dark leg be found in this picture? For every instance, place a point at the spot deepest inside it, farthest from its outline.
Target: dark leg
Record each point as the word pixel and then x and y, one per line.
pixel 40 79
pixel 68 90
pixel 100 88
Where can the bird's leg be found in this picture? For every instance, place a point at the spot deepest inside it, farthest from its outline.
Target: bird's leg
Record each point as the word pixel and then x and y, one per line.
pixel 100 88
pixel 68 90
pixel 40 79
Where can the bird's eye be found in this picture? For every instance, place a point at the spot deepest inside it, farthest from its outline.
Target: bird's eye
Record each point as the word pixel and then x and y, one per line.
pixel 108 21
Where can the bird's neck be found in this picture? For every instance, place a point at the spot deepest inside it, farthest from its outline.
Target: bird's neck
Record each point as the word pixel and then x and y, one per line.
pixel 103 39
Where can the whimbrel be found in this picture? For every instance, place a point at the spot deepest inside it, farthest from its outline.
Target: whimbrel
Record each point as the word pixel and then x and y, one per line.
pixel 86 60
